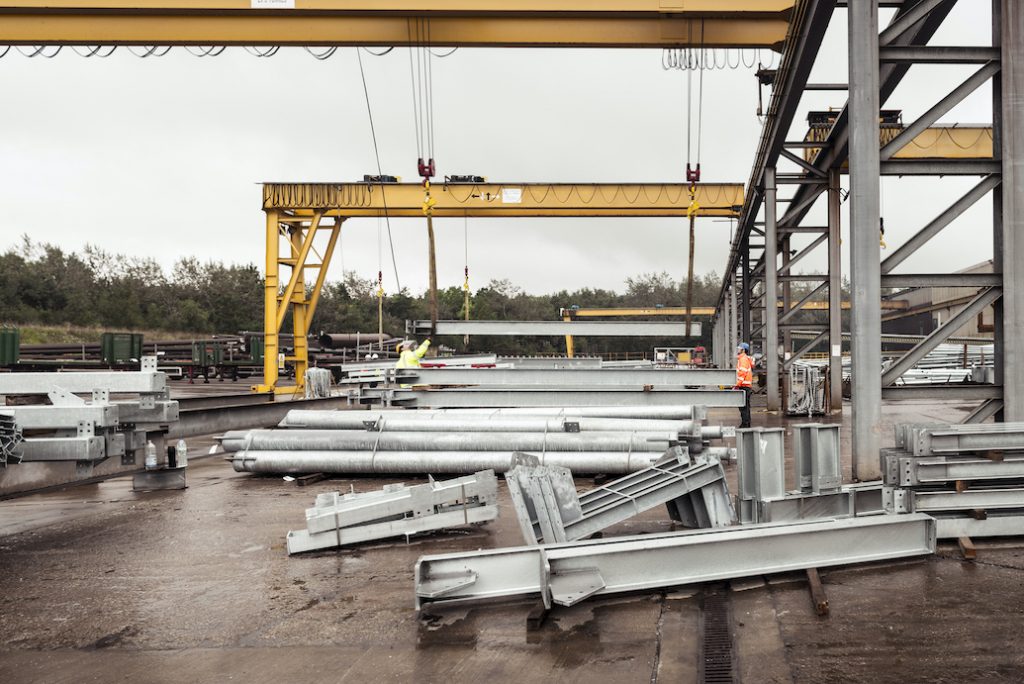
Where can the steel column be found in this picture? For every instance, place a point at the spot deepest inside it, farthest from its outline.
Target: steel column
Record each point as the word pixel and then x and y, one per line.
pixel 1012 153
pixel 865 314
pixel 771 297
pixel 998 335
pixel 835 293
pixel 745 289
pixel 271 285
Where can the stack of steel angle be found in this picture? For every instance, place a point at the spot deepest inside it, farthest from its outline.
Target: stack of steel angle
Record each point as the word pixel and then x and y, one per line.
pixel 551 511
pixel 970 478
pixel 395 511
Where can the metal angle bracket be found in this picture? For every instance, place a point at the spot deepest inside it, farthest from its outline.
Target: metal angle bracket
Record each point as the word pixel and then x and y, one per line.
pixel 439 586
pixel 570 587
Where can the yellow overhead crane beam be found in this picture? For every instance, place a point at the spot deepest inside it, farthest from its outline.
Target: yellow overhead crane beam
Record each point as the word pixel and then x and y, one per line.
pixel 471 23
pixel 349 200
pixel 935 142
pixel 298 214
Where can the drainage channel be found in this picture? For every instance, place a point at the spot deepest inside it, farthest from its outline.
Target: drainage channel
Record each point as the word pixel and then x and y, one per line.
pixel 717 660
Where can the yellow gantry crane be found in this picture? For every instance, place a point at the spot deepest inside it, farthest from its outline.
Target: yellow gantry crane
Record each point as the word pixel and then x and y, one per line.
pixel 301 216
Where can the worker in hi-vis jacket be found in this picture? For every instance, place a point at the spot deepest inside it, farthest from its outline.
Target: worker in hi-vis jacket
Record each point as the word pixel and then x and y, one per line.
pixel 411 354
pixel 744 380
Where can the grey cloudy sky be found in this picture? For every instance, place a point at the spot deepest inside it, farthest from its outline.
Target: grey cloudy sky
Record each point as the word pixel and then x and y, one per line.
pixel 162 157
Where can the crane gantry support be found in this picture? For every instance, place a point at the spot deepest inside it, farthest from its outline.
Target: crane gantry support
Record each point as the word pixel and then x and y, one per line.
pixel 298 213
pixel 471 23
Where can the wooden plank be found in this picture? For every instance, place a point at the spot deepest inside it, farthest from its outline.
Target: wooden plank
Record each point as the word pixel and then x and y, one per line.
pixel 535 619
pixel 818 598
pixel 967 548
pixel 304 480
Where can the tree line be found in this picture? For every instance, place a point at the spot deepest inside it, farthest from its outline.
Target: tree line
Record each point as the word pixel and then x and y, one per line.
pixel 41 283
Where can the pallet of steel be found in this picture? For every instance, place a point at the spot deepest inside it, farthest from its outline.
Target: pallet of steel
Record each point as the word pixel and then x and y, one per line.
pixel 396 510
pixel 568 573
pixel 550 510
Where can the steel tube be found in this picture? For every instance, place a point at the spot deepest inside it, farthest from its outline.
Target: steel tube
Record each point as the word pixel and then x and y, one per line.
pixel 409 421
pixel 771 315
pixel 390 462
pixel 570 399
pixel 350 440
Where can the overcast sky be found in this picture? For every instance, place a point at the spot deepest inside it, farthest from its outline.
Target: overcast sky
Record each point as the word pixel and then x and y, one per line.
pixel 162 157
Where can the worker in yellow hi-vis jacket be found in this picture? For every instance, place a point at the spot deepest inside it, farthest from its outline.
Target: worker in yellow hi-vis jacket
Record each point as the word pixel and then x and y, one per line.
pixel 411 354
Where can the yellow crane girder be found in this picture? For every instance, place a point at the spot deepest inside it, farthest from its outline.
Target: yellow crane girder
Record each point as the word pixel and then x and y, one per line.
pixel 476 23
pixel 348 200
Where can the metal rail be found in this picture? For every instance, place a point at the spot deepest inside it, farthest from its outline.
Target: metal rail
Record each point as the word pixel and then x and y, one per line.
pixel 565 377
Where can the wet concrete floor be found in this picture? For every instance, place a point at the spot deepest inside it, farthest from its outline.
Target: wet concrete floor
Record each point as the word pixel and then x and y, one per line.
pixel 102 584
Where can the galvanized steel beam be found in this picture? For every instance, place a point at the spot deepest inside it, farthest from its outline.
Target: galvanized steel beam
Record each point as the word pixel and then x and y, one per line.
pixel 558 328
pixel 568 377
pixel 565 574
pixel 567 399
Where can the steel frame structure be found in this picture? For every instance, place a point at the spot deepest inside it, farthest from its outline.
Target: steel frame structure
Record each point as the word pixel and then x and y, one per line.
pixel 857 143
pixel 296 215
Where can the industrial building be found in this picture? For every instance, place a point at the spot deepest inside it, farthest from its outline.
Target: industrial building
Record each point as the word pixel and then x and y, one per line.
pixel 301 504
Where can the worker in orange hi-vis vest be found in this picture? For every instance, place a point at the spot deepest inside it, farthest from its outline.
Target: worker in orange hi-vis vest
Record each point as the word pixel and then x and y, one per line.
pixel 744 380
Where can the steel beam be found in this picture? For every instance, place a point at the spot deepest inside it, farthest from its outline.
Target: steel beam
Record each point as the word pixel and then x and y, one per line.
pixel 866 315
pixel 993 525
pixel 565 574
pixel 558 328
pixel 315 23
pixel 936 54
pixel 917 471
pixel 1011 255
pixel 972 499
pixel 63 417
pixel 939 167
pixel 568 399
pixel 49 449
pixel 771 312
pixel 835 293
pixel 567 377
pixel 346 200
pixel 82 383
pixel 972 280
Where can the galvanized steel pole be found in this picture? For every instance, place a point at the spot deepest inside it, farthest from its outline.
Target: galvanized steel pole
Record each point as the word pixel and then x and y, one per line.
pixel 1012 132
pixel 835 298
pixel 771 272
pixel 865 252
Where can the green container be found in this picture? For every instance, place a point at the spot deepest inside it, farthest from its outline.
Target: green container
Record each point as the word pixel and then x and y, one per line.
pixel 207 353
pixel 10 346
pixel 254 343
pixel 121 348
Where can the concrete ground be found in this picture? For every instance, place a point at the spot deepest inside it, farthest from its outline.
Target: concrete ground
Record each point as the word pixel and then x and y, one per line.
pixel 101 584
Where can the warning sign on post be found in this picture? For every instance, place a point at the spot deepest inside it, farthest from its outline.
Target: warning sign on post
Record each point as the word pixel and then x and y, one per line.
pixel 512 195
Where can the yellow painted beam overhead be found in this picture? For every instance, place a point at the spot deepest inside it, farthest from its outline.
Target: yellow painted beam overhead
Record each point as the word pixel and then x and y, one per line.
pixel 479 23
pixel 936 142
pixel 347 200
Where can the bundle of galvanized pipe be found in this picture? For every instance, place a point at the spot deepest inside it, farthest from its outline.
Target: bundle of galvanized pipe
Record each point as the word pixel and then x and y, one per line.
pixel 450 442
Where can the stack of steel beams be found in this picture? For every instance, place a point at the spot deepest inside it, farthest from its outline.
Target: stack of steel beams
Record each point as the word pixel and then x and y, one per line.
pixel 550 510
pixel 395 511
pixel 91 416
pixel 969 477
